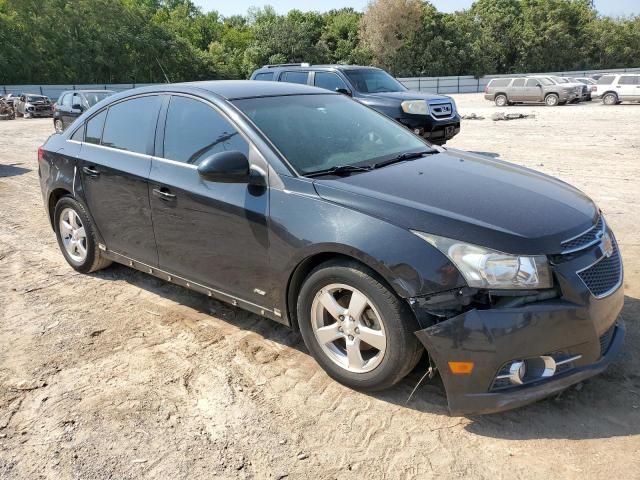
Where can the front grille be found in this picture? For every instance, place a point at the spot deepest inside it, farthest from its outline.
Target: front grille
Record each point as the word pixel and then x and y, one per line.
pixel 441 110
pixel 585 239
pixel 605 340
pixel 605 275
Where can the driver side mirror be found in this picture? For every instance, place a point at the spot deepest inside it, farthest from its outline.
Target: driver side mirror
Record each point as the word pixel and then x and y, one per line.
pixel 77 106
pixel 344 91
pixel 225 167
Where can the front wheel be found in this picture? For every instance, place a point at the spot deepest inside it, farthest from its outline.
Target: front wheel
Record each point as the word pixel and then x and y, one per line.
pixel 359 331
pixel 551 100
pixel 76 236
pixel 57 125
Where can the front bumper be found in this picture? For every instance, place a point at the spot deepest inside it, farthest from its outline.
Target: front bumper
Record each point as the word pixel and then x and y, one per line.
pixel 434 130
pixel 575 324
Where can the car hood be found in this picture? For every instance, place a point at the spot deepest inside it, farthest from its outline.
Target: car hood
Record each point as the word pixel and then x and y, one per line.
pixel 469 197
pixel 406 95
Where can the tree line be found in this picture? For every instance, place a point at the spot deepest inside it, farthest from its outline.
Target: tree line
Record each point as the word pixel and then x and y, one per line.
pixel 140 41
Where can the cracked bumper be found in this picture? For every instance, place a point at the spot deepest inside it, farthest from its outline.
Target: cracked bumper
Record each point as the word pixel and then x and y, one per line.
pixel 490 338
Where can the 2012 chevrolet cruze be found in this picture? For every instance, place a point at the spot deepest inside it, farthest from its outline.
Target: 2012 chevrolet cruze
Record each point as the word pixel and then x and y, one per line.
pixel 313 210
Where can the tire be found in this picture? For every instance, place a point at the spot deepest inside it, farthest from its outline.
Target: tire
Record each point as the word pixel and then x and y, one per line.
pixel 80 249
pixel 384 320
pixel 551 100
pixel 501 100
pixel 610 99
pixel 57 125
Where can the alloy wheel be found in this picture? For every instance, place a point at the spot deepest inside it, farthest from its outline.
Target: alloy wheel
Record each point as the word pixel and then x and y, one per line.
pixel 58 125
pixel 73 235
pixel 348 328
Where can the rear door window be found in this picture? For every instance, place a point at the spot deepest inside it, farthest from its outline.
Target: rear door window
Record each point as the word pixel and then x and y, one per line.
pixel 194 131
pixel 518 82
pixel 295 77
pixel 628 80
pixel 264 76
pixel 94 128
pixel 329 81
pixel 131 124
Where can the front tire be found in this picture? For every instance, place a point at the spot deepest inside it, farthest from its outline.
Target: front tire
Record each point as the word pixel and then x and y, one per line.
pixel 57 125
pixel 610 99
pixel 76 237
pixel 359 331
pixel 551 100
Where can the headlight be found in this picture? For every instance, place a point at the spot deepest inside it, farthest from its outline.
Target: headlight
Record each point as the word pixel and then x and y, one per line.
pixel 486 268
pixel 415 107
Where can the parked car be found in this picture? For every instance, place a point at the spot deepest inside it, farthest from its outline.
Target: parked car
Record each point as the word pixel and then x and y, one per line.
pixel 586 86
pixel 6 111
pixel 508 91
pixel 10 98
pixel 309 208
pixel 433 117
pixel 581 89
pixel 72 103
pixel 614 89
pixel 30 105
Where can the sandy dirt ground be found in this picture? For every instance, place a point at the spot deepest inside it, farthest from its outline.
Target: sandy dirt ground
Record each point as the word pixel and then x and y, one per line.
pixel 119 375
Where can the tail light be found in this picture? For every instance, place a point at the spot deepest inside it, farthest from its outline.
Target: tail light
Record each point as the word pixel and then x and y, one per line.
pixel 40 154
pixel 594 88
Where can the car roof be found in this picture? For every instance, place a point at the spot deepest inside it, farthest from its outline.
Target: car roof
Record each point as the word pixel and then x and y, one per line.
pixel 87 91
pixel 235 89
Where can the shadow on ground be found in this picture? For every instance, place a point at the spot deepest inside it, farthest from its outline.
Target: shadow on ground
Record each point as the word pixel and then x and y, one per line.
pixel 605 406
pixel 12 170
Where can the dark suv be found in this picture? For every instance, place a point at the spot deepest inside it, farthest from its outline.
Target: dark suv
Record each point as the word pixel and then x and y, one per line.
pixel 72 103
pixel 433 117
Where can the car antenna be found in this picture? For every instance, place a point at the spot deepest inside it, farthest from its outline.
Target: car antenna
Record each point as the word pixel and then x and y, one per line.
pixel 163 72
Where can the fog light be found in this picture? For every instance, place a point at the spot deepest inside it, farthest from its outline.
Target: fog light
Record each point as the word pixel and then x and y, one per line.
pixel 517 371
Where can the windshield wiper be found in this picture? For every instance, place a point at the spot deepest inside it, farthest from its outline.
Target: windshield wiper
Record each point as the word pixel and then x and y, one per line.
pixel 339 169
pixel 404 156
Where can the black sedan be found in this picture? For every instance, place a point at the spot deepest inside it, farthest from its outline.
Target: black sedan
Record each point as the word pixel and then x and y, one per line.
pixel 72 103
pixel 320 213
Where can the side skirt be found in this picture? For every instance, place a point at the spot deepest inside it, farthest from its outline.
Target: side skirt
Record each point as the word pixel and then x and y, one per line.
pixel 271 313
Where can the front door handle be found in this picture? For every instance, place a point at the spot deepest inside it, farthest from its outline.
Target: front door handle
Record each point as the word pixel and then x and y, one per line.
pixel 91 171
pixel 163 194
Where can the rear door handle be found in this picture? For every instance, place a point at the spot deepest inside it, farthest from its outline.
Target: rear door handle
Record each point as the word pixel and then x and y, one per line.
pixel 163 194
pixel 91 171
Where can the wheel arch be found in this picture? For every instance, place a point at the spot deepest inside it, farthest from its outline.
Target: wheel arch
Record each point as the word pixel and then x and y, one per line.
pixel 54 197
pixel 309 263
pixel 501 93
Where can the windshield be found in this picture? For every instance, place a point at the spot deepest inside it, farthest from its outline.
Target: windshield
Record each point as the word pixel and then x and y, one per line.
pixel 95 97
pixel 560 80
pixel 371 80
pixel 318 132
pixel 36 98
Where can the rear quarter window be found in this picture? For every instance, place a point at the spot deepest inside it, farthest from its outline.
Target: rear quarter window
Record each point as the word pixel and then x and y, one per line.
pixel 264 76
pixel 499 82
pixel 606 80
pixel 94 128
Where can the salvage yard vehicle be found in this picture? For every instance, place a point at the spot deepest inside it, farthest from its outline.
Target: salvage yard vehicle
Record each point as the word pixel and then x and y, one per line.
pixel 580 88
pixel 614 89
pixel 586 86
pixel 433 117
pixel 30 105
pixel 6 110
pixel 509 91
pixel 313 210
pixel 72 103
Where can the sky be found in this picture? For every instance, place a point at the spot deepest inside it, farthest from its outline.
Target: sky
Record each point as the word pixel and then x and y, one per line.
pixel 227 8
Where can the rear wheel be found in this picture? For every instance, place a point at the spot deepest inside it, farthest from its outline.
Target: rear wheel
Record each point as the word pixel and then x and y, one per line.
pixel 551 100
pixel 610 99
pixel 76 237
pixel 500 100
pixel 57 124
pixel 359 331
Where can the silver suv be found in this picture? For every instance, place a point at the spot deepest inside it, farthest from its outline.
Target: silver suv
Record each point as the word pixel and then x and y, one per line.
pixel 613 89
pixel 507 91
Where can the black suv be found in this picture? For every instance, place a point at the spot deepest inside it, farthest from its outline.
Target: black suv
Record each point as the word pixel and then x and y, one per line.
pixel 433 117
pixel 72 103
pixel 308 208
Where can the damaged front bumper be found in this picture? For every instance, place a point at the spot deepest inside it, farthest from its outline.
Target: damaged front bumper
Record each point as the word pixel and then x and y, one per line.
pixel 579 330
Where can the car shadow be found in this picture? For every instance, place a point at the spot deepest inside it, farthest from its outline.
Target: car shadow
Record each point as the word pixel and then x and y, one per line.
pixel 605 406
pixel 12 170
